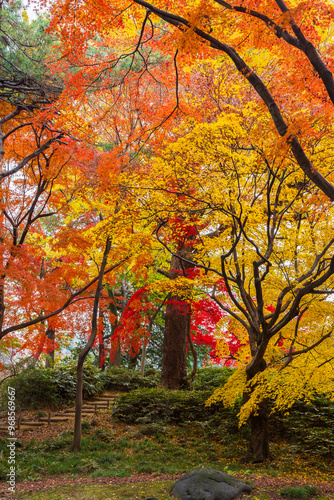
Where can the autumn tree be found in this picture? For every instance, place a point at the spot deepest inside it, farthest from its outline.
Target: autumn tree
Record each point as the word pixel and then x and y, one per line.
pixel 39 178
pixel 265 235
pixel 26 84
pixel 27 147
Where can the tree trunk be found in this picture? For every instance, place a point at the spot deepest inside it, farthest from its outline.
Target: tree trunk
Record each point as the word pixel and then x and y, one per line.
pixel 143 359
pixel 133 361
pixel 174 359
pixel 258 446
pixel 102 360
pixel 117 358
pixel 50 358
pixel 116 361
pixel 194 353
pixel 82 356
pixel 146 340
pixel 177 329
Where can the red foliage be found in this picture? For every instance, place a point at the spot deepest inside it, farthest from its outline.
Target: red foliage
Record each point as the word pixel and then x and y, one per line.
pixel 205 315
pixel 185 234
pixel 133 328
pixel 270 308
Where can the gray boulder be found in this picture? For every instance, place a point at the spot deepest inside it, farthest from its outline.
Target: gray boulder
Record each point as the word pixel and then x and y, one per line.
pixel 208 484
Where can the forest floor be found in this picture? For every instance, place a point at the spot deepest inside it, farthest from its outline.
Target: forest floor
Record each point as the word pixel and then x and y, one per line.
pixel 120 461
pixel 264 487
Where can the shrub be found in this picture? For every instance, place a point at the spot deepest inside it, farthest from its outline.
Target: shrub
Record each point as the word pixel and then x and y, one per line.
pixel 55 387
pixel 208 379
pixel 146 406
pixel 123 379
pixel 33 388
pixel 308 426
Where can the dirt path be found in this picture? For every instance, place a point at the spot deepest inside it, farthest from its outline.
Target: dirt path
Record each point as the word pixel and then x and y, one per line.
pixel 266 485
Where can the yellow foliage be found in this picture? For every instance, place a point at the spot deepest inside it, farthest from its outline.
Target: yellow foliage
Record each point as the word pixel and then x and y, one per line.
pixel 232 390
pixel 213 176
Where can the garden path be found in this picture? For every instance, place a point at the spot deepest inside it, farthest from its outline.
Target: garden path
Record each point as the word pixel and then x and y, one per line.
pixel 29 421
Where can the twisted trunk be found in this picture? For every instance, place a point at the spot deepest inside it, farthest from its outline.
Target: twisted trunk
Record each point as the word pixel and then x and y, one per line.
pixel 83 353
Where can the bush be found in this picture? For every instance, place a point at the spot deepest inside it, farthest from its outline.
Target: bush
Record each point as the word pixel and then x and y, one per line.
pixel 146 406
pixel 308 426
pixel 54 387
pixel 123 379
pixel 33 388
pixel 299 491
pixel 208 379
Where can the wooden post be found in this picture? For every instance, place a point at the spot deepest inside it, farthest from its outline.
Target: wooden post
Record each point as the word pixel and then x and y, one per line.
pixel 49 419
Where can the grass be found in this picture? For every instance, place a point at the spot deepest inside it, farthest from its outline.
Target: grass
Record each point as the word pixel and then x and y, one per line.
pixel 113 449
pixel 138 491
pixel 131 453
pixel 119 450
pixel 299 491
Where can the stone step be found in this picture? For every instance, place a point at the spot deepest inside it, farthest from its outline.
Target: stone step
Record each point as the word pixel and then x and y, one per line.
pixel 102 403
pixel 33 424
pixel 90 409
pixel 105 402
pixel 99 403
pixel 83 414
pixel 107 398
pixel 53 419
pixel 67 412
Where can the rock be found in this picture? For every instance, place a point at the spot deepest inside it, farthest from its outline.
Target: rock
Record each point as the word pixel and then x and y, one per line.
pixel 208 484
pixel 150 498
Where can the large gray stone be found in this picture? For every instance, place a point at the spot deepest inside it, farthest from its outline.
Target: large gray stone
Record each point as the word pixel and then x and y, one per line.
pixel 208 484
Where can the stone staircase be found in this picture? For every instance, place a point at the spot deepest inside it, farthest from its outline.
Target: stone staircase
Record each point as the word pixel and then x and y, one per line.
pixel 89 409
